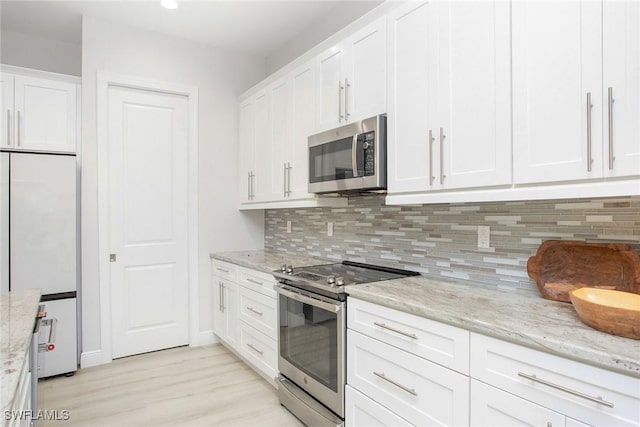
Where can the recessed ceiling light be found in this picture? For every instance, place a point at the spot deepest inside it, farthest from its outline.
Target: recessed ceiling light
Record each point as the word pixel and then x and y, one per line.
pixel 169 4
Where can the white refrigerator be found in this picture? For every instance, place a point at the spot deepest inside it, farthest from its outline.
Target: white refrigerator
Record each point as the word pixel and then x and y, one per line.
pixel 38 230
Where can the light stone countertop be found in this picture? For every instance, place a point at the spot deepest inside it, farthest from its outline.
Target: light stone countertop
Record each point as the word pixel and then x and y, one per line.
pixel 267 261
pixel 517 316
pixel 18 310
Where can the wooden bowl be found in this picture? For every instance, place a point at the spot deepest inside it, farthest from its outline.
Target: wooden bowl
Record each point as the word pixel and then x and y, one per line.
pixel 613 312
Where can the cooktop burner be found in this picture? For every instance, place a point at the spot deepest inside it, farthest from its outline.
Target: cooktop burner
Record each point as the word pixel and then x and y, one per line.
pixel 329 279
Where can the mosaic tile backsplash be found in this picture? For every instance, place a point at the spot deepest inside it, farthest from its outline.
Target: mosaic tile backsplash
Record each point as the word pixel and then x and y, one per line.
pixel 440 241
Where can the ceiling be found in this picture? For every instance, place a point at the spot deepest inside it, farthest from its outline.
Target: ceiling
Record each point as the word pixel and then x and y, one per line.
pixel 254 27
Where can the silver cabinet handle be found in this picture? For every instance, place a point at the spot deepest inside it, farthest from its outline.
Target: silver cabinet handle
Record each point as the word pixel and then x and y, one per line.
pixel 222 269
pixel 8 127
pixel 19 129
pixel 340 88
pixel 589 106
pixel 260 352
pixel 442 137
pixel 534 378
pixel 284 176
pixel 610 115
pixel 346 99
pixel 252 179
pixel 248 185
pixel 221 295
pixel 431 175
pixel 253 310
pixel 395 383
pixel 397 331
pixel 288 179
pixel 257 282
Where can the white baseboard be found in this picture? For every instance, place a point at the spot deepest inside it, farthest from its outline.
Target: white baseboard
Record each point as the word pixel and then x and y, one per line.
pixel 207 338
pixel 93 358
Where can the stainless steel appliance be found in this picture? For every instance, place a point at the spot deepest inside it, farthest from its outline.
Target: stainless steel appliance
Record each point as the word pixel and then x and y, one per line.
pixel 349 158
pixel 38 226
pixel 312 333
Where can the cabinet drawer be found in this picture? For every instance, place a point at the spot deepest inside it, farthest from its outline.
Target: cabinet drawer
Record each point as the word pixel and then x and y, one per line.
pixel 423 392
pixel 574 389
pixel 259 311
pixel 435 341
pixel 225 270
pixel 259 349
pixel 360 411
pixel 257 281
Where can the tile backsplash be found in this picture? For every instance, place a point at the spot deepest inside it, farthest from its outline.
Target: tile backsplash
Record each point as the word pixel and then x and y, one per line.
pixel 440 241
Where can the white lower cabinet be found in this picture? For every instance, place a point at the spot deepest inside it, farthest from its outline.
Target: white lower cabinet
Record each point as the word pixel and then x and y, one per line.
pixel 390 360
pixel 362 411
pixel 580 392
pixel 245 315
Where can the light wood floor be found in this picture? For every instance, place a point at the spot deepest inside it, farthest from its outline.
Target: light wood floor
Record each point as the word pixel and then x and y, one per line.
pixel 201 386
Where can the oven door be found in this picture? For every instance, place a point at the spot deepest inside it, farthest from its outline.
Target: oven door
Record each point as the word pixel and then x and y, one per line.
pixel 311 340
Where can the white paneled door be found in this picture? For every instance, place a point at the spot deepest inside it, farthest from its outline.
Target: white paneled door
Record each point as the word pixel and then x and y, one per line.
pixel 148 138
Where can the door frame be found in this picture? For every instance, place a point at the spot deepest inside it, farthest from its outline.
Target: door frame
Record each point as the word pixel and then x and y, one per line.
pixel 104 81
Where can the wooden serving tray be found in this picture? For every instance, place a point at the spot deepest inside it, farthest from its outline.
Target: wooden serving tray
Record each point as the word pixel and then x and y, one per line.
pixel 560 266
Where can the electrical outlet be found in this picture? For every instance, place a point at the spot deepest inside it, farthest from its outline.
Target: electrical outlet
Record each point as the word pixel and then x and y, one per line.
pixel 329 229
pixel 288 226
pixel 484 237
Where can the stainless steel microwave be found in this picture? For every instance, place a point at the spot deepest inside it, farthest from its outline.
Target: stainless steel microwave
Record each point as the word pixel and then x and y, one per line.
pixel 349 158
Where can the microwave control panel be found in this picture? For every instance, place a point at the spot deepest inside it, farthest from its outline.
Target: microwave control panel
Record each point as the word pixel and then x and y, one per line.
pixel 368 150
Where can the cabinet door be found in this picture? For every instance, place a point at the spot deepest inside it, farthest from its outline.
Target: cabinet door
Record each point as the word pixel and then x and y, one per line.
pixel 219 319
pixel 556 63
pixel 302 110
pixel 262 148
pixel 411 98
pixel 473 137
pixel 621 50
pixel 231 313
pixel 4 222
pixel 496 408
pixel 281 136
pixel 361 411
pixel 330 100
pixel 45 114
pixel 246 139
pixel 366 74
pixel 6 110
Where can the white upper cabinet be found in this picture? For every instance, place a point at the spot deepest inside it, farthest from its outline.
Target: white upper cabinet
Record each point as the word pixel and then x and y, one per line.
pixel 281 136
pixel 262 148
pixel 557 90
pixel 473 132
pixel 621 82
pixel 449 92
pixel 351 78
pixel 246 141
pixel 302 113
pixel 38 114
pixel 411 98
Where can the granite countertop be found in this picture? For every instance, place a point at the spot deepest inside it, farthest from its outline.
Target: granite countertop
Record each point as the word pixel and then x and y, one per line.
pixel 18 310
pixel 518 316
pixel 267 261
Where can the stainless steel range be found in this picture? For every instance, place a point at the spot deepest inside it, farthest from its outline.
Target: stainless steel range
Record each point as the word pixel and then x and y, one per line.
pixel 312 332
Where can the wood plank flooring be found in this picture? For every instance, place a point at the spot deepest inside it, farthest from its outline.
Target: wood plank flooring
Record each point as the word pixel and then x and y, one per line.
pixel 200 386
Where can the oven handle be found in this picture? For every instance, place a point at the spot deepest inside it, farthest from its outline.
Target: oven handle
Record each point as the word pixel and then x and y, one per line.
pixel 335 308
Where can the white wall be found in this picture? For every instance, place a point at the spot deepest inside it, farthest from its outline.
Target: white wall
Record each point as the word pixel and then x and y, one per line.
pixel 337 18
pixel 26 50
pixel 220 77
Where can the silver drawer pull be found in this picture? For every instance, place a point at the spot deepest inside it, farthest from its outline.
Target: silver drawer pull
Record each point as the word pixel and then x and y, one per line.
pixel 395 383
pixel 222 269
pixel 254 281
pixel 567 390
pixel 260 352
pixel 397 331
pixel 253 310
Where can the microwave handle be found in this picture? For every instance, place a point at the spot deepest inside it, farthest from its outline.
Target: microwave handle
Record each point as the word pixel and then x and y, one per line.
pixel 354 155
